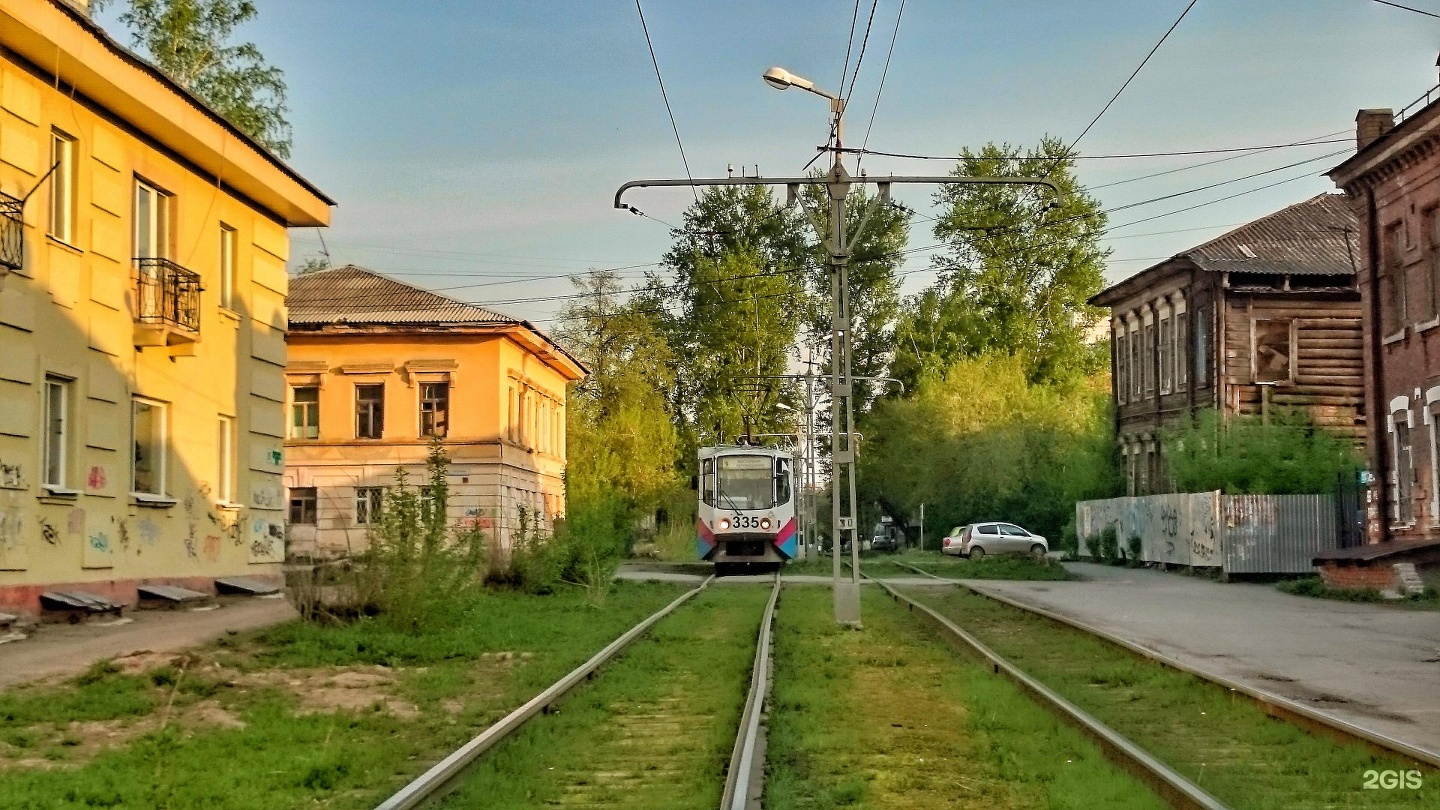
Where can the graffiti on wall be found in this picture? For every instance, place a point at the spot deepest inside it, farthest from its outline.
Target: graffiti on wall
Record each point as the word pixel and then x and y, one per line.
pixel 75 521
pixel 265 495
pixel 11 476
pixel 212 547
pixel 96 479
pixel 267 541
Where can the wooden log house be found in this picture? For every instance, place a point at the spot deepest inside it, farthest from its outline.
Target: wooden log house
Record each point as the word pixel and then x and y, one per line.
pixel 1264 318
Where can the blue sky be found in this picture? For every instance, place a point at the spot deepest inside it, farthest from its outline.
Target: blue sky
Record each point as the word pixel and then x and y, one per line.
pixel 480 143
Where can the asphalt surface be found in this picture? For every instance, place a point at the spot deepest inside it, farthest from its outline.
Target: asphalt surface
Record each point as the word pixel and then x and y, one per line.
pixel 1373 665
pixel 60 649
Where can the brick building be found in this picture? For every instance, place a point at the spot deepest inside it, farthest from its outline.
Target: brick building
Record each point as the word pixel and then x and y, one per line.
pixel 1393 186
pixel 1264 317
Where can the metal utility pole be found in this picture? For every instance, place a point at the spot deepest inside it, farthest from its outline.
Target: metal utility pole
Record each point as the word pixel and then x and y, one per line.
pixel 838 239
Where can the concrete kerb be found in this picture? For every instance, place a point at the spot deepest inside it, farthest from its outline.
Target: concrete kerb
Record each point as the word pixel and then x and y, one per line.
pixel 1273 704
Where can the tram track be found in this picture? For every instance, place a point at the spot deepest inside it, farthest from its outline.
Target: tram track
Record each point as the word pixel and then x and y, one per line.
pixel 641 738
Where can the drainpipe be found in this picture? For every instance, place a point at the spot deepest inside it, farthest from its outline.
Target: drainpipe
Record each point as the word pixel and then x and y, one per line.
pixel 1375 418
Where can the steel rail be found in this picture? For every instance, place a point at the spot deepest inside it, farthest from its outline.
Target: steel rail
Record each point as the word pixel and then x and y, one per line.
pixel 1178 791
pixel 1275 705
pixel 430 783
pixel 745 765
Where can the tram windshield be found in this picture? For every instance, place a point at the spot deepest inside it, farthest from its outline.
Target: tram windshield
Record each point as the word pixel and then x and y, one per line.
pixel 750 482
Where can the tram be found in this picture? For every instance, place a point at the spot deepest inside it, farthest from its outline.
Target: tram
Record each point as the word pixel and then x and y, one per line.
pixel 746 508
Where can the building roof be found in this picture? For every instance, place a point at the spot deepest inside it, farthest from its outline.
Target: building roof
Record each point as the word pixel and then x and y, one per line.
pixel 1309 238
pixel 354 295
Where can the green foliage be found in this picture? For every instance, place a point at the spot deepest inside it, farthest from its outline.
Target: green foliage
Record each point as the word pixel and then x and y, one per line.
pixel 1013 280
pixel 191 40
pixel 983 442
pixel 1288 455
pixel 1134 546
pixel 1106 547
pixel 1316 587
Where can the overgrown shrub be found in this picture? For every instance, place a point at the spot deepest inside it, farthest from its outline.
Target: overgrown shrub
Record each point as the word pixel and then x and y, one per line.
pixel 1109 546
pixel 1284 455
pixel 1069 543
pixel 1314 586
pixel 418 570
pixel 1135 546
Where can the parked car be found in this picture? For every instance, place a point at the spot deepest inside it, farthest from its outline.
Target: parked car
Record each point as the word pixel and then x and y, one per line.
pixel 885 539
pixel 978 540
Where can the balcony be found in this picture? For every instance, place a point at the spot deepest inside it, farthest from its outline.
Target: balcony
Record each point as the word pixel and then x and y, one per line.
pixel 12 234
pixel 167 303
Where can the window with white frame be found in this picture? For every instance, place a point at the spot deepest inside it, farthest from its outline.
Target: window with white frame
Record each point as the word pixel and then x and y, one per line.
pixel 1432 414
pixel 1148 353
pixel 228 242
pixel 152 222
pixel 62 187
pixel 305 412
pixel 1403 468
pixel 368 501
pixel 57 433
pixel 225 475
pixel 148 433
pixel 370 411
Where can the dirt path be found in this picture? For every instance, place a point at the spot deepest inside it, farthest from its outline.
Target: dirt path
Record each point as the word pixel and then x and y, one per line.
pixel 60 650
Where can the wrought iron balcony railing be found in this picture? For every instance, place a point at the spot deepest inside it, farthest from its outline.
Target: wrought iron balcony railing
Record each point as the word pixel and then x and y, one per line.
pixel 167 294
pixel 12 232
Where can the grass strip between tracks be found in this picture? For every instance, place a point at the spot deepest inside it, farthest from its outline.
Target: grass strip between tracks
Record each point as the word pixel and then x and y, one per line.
pixel 1222 742
pixel 297 715
pixel 654 730
pixel 893 716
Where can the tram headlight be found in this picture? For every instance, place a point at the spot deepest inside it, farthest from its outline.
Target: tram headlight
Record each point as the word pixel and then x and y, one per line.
pixel 765 524
pixel 724 524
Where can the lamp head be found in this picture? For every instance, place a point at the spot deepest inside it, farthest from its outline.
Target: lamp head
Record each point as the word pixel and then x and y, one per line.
pixel 778 78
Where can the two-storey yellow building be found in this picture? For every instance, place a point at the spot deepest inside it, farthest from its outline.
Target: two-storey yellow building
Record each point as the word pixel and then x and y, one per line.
pixel 142 323
pixel 379 370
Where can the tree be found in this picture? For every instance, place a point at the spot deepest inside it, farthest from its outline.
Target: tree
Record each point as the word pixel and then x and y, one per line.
pixel 732 313
pixel 314 264
pixel 191 41
pixel 1015 274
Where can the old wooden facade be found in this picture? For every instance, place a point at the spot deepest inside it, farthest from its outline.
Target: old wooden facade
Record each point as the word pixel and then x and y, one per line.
pixel 1264 318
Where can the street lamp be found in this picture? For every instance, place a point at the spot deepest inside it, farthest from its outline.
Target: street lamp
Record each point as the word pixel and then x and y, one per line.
pixel 782 79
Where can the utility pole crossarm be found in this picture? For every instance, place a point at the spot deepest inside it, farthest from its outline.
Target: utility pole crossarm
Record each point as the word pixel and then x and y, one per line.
pixel 821 180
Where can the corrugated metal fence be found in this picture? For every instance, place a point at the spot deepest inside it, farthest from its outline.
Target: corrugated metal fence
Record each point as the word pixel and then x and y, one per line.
pixel 1242 534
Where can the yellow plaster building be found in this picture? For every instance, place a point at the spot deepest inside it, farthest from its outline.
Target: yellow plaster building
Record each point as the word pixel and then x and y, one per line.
pixel 142 323
pixel 378 369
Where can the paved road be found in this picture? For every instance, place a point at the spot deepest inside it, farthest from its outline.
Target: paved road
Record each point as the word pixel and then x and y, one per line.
pixel 1375 666
pixel 57 649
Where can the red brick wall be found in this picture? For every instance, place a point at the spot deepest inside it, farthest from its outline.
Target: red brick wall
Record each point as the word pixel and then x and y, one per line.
pixel 1375 577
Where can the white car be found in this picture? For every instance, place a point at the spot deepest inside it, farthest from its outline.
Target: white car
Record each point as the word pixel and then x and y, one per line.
pixel 978 540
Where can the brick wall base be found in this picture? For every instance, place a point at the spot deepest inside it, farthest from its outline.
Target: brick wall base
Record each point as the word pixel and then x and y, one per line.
pixel 25 599
pixel 1379 576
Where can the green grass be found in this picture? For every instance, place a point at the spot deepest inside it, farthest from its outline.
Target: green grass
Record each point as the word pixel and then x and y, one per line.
pixel 1221 741
pixel 1314 586
pixel 891 716
pixel 239 733
pixel 890 565
pixel 655 730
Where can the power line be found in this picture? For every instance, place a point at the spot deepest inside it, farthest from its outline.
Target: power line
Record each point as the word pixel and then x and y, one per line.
pixel 1408 8
pixel 1129 79
pixel 849 43
pixel 884 72
pixel 665 97
pixel 863 44
pixel 1121 156
pixel 1311 142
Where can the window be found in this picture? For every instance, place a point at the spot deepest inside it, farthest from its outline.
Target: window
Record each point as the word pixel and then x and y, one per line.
pixel 1120 381
pixel 369 411
pixel 368 501
pixel 707 481
pixel 1137 377
pixel 152 222
pixel 1404 472
pixel 1395 263
pixel 147 468
pixel 1273 351
pixel 305 412
pixel 228 242
pixel 1167 352
pixel 1148 355
pixel 434 409
pixel 1182 345
pixel 57 431
pixel 1202 347
pixel 510 416
pixel 225 477
pixel 62 187
pixel 747 482
pixel 302 506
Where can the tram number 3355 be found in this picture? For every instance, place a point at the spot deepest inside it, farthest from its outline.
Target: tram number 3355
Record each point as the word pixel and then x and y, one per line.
pixel 1390 780
pixel 745 522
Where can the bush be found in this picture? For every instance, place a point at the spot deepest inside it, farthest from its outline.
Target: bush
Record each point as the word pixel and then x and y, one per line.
pixel 1109 546
pixel 1069 543
pixel 1288 455
pixel 1136 547
pixel 1316 587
